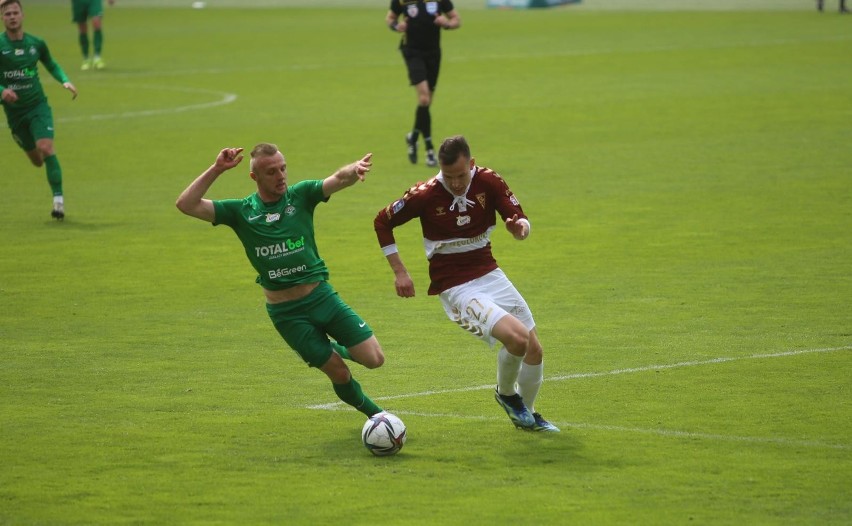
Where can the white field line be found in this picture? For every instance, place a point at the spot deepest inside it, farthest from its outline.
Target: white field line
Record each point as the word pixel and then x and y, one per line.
pixel 227 98
pixel 605 373
pixel 224 98
pixel 648 431
pixel 335 406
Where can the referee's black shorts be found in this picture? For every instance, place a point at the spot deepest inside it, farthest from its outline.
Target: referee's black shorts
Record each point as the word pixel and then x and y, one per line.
pixel 422 65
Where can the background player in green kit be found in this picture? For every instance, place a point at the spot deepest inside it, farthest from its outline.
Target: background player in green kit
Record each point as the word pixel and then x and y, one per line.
pixel 276 227
pixel 24 101
pixel 81 12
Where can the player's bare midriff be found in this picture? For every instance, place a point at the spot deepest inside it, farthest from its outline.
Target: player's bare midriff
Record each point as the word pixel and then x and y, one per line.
pixel 296 292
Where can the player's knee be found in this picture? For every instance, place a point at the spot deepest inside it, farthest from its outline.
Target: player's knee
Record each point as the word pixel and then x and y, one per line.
pixel 378 359
pixel 370 357
pixel 534 352
pixel 517 342
pixel 336 370
pixel 338 375
pixel 342 377
pixel 374 362
pixel 36 157
pixel 44 149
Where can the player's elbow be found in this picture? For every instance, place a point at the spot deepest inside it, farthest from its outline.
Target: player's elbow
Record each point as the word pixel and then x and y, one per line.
pixel 379 225
pixel 181 205
pixel 187 207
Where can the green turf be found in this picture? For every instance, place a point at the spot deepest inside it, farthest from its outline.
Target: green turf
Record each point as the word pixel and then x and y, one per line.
pixel 687 177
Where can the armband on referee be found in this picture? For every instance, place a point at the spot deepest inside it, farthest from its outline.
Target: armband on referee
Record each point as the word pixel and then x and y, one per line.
pixel 393 25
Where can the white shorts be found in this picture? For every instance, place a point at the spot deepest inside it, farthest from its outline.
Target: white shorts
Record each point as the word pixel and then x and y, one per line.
pixel 479 304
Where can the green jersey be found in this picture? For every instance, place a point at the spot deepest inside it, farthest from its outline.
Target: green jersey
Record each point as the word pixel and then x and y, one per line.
pixel 278 237
pixel 18 67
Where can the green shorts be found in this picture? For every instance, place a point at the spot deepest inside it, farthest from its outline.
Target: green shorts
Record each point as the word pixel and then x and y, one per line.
pixel 30 125
pixel 307 323
pixel 82 10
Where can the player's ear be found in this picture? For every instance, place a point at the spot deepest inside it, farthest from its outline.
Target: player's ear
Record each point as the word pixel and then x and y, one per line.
pixel 472 163
pixel 253 176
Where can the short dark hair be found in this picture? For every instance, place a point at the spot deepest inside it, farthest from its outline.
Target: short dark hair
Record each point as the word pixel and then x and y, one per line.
pixel 452 148
pixel 5 3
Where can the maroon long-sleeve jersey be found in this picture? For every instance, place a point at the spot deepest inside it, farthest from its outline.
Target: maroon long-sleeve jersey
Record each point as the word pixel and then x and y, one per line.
pixel 456 230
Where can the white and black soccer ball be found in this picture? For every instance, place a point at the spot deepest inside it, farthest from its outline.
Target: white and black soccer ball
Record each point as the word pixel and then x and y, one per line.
pixel 383 434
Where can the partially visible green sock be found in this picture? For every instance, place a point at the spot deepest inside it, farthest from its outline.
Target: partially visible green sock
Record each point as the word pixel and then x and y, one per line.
pixel 341 350
pixel 352 394
pixel 99 41
pixel 84 44
pixel 54 174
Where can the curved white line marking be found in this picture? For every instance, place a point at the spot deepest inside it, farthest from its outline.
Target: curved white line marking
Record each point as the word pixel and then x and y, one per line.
pixel 339 406
pixel 605 373
pixel 225 98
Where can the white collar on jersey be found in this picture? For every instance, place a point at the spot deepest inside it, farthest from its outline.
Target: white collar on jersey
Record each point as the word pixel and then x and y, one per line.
pixel 461 200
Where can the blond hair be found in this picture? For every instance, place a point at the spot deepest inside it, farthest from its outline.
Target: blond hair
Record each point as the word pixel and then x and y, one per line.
pixel 6 3
pixel 264 149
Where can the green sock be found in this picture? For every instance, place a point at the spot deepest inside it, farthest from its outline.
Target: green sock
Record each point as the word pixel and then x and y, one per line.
pixel 341 350
pixel 84 44
pixel 352 394
pixel 54 174
pixel 99 42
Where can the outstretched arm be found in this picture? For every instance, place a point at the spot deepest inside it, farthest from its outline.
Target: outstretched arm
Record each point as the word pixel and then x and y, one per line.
pixel 347 175
pixel 191 202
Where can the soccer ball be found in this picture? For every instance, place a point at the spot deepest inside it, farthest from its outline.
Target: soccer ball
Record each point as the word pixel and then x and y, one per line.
pixel 383 434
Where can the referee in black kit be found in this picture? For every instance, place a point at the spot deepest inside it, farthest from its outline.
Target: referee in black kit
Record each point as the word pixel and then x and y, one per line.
pixel 421 23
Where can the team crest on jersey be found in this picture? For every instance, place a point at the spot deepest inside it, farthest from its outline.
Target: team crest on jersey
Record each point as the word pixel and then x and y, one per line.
pixel 33 50
pixel 432 8
pixel 462 220
pixel 439 211
pixel 271 218
pixel 290 210
pixel 412 10
pixel 481 199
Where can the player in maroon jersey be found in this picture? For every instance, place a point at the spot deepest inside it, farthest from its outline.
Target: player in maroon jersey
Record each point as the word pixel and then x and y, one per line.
pixel 458 212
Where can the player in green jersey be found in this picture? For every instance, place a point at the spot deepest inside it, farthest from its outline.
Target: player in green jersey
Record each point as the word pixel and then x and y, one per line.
pixel 276 227
pixel 24 101
pixel 841 7
pixel 81 12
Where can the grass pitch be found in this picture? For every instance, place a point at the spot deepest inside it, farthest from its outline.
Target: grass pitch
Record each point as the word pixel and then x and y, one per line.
pixel 687 177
